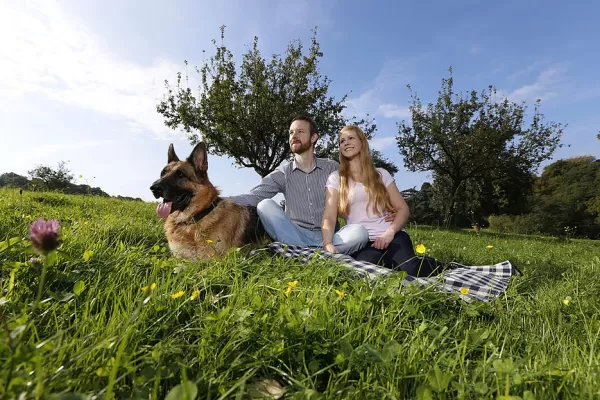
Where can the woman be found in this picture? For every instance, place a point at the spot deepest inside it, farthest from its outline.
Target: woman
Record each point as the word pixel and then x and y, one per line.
pixel 364 195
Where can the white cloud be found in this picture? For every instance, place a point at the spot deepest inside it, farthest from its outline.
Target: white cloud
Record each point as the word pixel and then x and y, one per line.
pixel 549 84
pixel 370 102
pixel 58 147
pixel 361 105
pixel 387 85
pixel 48 154
pixel 475 49
pixel 46 51
pixel 393 111
pixel 526 71
pixel 382 143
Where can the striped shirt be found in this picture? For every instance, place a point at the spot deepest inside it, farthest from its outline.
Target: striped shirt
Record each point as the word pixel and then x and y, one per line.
pixel 304 192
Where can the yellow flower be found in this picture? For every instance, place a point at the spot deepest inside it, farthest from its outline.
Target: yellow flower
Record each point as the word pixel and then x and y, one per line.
pixel 464 290
pixel 195 295
pixel 145 288
pixel 177 295
pixel 489 246
pixel 421 249
pixel 288 291
pixel 567 300
pixel 293 284
pixel 340 294
pixel 87 255
pixel 209 241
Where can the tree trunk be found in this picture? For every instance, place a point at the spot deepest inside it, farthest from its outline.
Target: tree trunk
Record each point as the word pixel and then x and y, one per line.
pixel 450 217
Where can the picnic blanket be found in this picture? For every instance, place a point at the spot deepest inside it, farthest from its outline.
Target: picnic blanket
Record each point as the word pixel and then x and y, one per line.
pixel 482 282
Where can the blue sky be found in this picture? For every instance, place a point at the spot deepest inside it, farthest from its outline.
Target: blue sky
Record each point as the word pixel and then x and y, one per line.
pixel 79 81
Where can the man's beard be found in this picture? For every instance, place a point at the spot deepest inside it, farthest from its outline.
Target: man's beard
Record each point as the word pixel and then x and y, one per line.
pixel 304 147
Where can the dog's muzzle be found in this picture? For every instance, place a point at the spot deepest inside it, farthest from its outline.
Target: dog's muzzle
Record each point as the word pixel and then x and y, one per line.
pixel 156 190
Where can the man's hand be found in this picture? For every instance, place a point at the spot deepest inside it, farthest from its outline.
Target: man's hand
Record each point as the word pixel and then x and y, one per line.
pixel 389 217
pixel 330 248
pixel 383 241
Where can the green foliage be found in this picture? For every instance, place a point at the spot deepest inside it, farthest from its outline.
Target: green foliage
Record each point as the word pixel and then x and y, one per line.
pixel 477 148
pixel 594 205
pixel 594 202
pixel 183 391
pixel 420 205
pixel 567 193
pixel 378 160
pixel 523 224
pixel 103 330
pixel 52 179
pixel 565 202
pixel 245 114
pixel 10 179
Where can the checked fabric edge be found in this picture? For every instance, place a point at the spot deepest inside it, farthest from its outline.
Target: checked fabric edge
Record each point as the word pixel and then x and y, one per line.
pixel 483 282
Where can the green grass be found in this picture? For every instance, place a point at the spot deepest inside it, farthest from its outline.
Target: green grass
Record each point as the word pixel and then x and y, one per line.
pixel 112 340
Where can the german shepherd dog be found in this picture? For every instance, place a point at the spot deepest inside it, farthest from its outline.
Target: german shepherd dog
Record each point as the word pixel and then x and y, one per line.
pixel 199 223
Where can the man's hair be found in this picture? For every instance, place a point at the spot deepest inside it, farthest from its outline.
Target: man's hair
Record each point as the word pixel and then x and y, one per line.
pixel 307 118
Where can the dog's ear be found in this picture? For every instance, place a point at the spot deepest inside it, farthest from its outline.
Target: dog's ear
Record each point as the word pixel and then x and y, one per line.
pixel 199 158
pixel 171 155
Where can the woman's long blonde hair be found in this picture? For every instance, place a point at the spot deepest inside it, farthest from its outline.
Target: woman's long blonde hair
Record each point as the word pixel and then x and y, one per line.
pixel 377 194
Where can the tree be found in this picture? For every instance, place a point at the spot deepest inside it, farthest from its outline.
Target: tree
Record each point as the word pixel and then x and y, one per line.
pixel 510 193
pixel 566 195
pixel 473 140
pixel 52 179
pixel 11 179
pixel 420 205
pixel 594 203
pixel 246 114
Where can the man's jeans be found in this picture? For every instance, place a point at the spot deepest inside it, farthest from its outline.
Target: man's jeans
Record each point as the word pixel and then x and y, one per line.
pixel 280 228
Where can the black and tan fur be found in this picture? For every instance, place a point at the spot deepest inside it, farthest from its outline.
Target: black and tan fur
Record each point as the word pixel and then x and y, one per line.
pixel 227 225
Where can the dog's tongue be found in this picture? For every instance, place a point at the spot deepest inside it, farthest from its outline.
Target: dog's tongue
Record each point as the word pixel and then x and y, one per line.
pixel 164 209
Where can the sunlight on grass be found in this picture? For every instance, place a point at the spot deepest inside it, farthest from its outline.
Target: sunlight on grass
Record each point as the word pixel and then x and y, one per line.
pixel 120 318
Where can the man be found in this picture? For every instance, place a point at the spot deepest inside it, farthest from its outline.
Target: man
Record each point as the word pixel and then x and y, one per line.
pixel 302 182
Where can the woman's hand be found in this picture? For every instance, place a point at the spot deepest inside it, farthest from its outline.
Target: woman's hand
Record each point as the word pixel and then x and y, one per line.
pixel 330 248
pixel 389 216
pixel 383 241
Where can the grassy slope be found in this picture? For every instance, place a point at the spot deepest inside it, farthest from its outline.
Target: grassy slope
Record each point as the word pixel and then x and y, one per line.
pixel 372 343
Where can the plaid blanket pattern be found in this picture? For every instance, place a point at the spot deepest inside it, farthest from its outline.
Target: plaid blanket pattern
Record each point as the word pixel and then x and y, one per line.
pixel 482 283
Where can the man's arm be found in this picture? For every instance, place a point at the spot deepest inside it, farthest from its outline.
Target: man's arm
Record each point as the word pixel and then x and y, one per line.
pixel 268 187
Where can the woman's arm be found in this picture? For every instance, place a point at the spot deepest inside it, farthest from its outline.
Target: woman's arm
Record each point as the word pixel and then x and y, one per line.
pixel 400 206
pixel 329 219
pixel 400 219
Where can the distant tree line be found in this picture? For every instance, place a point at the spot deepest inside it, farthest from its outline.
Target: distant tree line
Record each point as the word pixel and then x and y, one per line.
pixel 46 178
pixel 563 201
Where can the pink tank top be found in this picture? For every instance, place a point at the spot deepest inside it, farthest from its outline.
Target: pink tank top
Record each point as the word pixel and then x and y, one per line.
pixel 357 198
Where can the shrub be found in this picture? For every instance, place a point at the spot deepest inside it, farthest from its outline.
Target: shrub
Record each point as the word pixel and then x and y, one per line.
pixel 522 224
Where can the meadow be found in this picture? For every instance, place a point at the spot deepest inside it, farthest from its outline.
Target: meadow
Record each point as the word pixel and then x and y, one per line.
pixel 118 317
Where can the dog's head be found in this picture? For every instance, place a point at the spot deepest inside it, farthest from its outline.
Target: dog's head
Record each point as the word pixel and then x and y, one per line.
pixel 180 180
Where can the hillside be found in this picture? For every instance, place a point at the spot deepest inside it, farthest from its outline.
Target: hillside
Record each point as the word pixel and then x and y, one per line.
pixel 10 180
pixel 119 316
